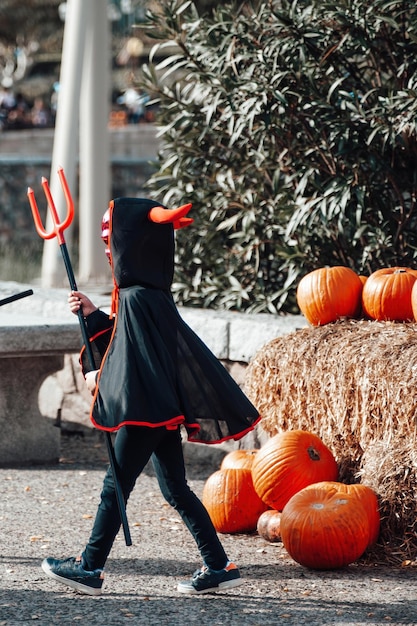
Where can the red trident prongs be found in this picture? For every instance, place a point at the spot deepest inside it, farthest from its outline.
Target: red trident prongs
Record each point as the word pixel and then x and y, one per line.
pixel 58 227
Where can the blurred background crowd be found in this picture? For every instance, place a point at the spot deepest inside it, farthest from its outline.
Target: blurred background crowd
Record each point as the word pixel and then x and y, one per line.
pixel 31 35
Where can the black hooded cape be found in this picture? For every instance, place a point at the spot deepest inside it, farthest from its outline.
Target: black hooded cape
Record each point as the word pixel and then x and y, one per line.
pixel 155 371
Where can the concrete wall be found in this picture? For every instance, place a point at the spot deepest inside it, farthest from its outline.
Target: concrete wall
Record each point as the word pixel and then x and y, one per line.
pixel 135 141
pixel 25 156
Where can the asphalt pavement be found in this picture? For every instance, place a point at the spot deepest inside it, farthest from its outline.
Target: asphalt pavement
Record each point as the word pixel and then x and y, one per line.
pixel 48 511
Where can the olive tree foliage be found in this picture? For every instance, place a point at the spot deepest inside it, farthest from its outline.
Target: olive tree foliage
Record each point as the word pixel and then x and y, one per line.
pixel 291 127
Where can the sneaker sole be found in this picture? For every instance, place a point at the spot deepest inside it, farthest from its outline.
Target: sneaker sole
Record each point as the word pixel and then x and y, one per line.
pixel 227 584
pixel 91 591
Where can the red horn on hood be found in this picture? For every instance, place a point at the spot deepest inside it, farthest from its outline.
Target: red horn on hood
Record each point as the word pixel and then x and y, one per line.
pixel 159 215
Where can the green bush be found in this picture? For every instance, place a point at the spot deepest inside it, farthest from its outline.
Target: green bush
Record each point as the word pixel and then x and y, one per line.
pixel 291 127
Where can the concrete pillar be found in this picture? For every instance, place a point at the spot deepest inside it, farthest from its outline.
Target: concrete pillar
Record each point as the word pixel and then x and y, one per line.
pixel 66 135
pixel 94 143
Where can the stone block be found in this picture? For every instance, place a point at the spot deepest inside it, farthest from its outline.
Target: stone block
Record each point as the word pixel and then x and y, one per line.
pixel 249 333
pixel 27 436
pixel 211 327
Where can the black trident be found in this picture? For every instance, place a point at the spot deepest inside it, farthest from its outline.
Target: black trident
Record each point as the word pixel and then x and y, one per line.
pixel 58 231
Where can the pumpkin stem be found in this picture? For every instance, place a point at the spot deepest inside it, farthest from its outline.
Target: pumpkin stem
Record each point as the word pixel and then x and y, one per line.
pixel 313 454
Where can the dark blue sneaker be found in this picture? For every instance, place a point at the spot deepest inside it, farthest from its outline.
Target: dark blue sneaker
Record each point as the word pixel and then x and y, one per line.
pixel 71 573
pixel 207 580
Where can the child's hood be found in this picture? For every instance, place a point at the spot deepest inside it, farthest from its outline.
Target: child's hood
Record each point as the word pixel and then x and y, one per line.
pixel 142 252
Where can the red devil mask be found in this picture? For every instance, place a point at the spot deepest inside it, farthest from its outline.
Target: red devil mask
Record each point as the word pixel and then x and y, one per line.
pixel 158 215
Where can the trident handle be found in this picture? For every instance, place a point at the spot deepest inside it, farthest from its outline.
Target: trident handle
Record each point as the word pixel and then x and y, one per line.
pixel 16 296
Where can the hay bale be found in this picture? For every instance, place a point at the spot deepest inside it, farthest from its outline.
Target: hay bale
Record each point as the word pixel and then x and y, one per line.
pixel 391 470
pixel 354 384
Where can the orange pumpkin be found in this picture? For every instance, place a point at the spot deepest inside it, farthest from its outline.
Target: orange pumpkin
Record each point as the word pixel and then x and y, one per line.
pixel 329 293
pixel 414 300
pixel 386 294
pixel 366 496
pixel 269 526
pixel 231 501
pixel 238 459
pixel 324 528
pixel 288 462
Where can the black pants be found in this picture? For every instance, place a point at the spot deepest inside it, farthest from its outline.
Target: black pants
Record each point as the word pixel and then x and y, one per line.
pixel 133 447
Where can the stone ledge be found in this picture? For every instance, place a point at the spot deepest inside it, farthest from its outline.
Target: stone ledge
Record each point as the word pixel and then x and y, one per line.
pixel 238 336
pixel 230 336
pixel 23 335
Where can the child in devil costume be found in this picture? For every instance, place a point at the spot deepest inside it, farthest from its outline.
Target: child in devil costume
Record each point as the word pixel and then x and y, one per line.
pixel 155 375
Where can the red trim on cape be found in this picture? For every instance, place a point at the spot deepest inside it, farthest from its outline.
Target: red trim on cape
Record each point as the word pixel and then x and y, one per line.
pixel 100 332
pixel 234 437
pixel 91 339
pixel 192 429
pixel 173 422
